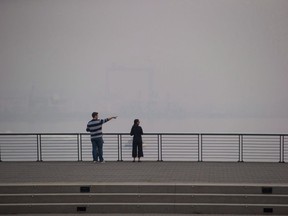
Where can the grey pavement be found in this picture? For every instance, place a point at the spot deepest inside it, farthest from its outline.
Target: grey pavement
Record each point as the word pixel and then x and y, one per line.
pixel 200 173
pixel 133 215
pixel 144 172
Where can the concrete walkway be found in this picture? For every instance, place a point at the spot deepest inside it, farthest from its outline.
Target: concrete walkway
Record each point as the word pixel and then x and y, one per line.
pixel 196 173
pixel 144 172
pixel 133 215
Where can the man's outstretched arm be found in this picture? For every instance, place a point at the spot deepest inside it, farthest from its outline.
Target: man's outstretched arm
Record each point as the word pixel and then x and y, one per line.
pixel 114 117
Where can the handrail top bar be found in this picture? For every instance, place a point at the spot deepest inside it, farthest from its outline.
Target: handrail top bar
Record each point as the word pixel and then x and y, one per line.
pixel 207 134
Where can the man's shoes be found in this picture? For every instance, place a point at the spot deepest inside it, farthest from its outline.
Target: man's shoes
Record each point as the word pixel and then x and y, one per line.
pixel 103 161
pixel 95 161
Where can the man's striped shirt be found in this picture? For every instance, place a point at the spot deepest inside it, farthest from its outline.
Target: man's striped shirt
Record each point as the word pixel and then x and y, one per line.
pixel 95 127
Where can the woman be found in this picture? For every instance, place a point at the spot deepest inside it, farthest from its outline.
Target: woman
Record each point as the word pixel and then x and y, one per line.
pixel 136 132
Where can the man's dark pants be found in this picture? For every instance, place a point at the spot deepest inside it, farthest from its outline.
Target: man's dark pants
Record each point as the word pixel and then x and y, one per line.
pixel 97 149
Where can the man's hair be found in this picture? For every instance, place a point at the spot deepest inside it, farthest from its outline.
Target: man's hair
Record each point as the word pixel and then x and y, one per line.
pixel 94 114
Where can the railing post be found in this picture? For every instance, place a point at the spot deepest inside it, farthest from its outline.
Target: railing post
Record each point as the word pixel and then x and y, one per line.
pixel 37 147
pixel 281 159
pixel 40 147
pixel 283 149
pixel 158 145
pixel 81 147
pixel 120 147
pixel 0 153
pixel 161 147
pixel 240 148
pixel 78 147
pixel 200 147
pixel 198 136
pixel 159 138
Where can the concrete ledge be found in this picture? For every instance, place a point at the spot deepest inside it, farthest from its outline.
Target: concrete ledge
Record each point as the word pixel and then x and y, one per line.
pixel 143 188
pixel 143 198
pixel 200 208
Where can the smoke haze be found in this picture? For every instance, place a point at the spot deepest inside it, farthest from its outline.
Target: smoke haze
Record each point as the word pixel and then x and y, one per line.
pixel 177 65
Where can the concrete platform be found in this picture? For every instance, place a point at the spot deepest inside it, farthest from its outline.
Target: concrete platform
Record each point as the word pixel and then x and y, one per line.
pixel 132 215
pixel 156 175
pixel 144 172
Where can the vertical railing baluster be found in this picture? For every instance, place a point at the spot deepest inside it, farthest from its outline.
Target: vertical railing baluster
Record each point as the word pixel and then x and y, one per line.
pixel 161 148
pixel 283 149
pixel 281 159
pixel 158 145
pixel 118 145
pixel 0 152
pixel 40 147
pixel 37 147
pixel 121 148
pixel 240 148
pixel 201 148
pixel 78 146
pixel 198 136
pixel 280 149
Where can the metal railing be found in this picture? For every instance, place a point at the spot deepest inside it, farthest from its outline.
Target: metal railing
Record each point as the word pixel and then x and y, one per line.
pixel 157 147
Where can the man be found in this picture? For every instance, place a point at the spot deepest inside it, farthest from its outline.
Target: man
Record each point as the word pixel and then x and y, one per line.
pixel 95 128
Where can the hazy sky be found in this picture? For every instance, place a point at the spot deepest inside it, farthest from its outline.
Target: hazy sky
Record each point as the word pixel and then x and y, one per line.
pixel 177 65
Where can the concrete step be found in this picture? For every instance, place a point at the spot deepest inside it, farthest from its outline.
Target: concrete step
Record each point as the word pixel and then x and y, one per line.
pixel 132 214
pixel 143 188
pixel 143 198
pixel 141 208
